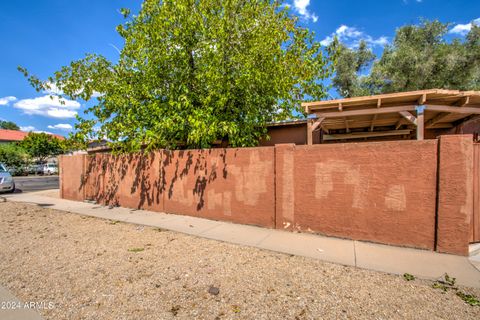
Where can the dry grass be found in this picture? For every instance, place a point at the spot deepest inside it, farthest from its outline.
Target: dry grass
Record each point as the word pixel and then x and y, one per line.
pixel 97 269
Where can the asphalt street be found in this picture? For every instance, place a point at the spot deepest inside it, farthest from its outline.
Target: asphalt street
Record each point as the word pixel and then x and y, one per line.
pixel 35 183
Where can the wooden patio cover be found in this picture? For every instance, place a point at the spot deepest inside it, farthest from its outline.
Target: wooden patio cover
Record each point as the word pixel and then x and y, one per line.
pixel 390 114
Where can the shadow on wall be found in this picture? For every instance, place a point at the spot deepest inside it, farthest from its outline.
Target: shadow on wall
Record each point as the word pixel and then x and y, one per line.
pixel 141 180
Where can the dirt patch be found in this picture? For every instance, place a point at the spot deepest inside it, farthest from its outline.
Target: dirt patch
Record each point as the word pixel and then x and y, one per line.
pixel 97 269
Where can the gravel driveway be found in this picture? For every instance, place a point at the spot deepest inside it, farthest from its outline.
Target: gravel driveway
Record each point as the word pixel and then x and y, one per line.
pixel 97 269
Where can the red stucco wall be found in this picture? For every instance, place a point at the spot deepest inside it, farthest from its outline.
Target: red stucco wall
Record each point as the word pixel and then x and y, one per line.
pixel 455 193
pixel 72 175
pixel 226 184
pixel 384 192
pixel 376 191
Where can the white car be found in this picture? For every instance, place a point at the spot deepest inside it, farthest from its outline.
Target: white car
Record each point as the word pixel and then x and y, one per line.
pixel 50 168
pixel 6 181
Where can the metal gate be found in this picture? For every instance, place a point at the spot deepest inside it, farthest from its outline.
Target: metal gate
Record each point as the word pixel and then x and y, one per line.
pixel 475 225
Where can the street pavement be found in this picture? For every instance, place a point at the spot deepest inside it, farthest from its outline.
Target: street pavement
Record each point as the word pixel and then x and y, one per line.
pixel 35 183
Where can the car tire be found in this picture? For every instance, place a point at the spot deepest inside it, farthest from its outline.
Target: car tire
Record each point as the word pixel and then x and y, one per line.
pixel 13 189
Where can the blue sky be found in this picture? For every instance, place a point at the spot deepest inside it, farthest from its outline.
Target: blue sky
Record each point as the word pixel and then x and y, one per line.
pixel 43 35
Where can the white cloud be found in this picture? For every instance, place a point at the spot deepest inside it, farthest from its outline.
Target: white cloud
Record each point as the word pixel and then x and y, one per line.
pixel 61 126
pixel 463 29
pixel 55 91
pixel 301 8
pixel 48 106
pixel 27 128
pixel 351 37
pixel 6 100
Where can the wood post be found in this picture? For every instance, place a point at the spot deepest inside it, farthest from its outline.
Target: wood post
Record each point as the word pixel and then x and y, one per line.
pixel 312 125
pixel 309 132
pixel 420 122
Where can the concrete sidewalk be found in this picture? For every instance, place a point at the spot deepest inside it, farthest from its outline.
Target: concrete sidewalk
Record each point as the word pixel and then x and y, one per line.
pixel 13 309
pixel 421 263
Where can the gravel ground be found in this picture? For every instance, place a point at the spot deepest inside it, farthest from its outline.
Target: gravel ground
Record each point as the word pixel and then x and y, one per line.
pixel 97 269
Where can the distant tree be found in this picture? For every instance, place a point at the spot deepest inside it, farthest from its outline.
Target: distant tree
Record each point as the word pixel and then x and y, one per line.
pixel 8 125
pixel 349 66
pixel 419 58
pixel 13 156
pixel 195 72
pixel 42 146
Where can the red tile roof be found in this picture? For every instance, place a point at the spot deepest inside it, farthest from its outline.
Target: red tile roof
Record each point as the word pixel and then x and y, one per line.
pixel 14 135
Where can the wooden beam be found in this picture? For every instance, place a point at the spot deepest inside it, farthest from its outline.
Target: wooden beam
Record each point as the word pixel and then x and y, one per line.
pixel 463 101
pixel 309 132
pixel 363 112
pixel 373 122
pixel 411 95
pixel 442 108
pixel 422 99
pixel 372 125
pixel 436 119
pixel 420 122
pixel 361 135
pixel 312 125
pixel 316 123
pixel 399 123
pixel 410 117
pixel 441 126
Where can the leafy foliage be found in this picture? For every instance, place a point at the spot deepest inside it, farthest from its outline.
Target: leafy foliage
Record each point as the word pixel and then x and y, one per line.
pixel 419 58
pixel 349 64
pixel 195 72
pixel 41 146
pixel 469 298
pixel 13 156
pixel 408 277
pixel 8 125
pixel 448 284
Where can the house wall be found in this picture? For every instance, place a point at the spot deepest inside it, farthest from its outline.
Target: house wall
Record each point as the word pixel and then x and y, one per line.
pixel 387 192
pixel 291 133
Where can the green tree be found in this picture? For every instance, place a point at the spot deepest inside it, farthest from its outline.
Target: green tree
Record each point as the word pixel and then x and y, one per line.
pixel 13 156
pixel 195 72
pixel 9 125
pixel 42 146
pixel 350 64
pixel 419 58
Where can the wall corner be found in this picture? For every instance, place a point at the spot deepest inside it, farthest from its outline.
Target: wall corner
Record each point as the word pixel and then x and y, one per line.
pixel 455 194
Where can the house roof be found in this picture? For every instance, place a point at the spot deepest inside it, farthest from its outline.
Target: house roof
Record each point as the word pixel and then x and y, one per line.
pixel 16 135
pixel 431 96
pixel 393 112
pixel 289 122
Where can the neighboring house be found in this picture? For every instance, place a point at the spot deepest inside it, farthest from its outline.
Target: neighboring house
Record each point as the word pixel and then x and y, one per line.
pixel 7 136
pixel 422 114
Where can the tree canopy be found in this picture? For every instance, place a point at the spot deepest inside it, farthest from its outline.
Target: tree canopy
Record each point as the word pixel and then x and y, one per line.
pixel 195 72
pixel 419 58
pixel 41 146
pixel 13 156
pixel 8 125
